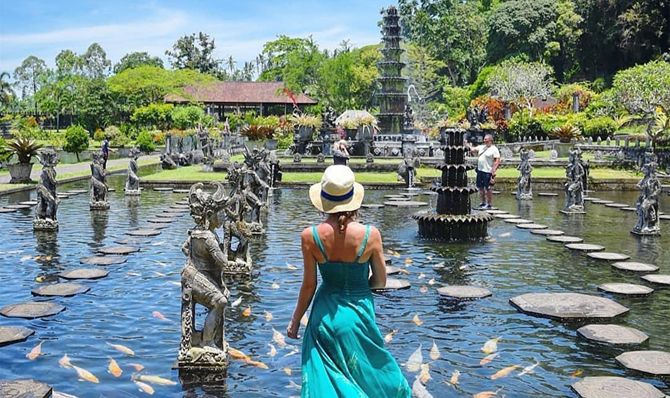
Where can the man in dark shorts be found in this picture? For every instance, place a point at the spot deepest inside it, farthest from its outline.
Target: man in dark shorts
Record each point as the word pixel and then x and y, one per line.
pixel 487 165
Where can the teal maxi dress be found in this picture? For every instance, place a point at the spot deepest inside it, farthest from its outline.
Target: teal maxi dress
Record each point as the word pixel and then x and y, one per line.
pixel 343 352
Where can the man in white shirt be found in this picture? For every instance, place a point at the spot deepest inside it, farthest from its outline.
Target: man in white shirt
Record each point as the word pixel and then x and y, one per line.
pixel 487 165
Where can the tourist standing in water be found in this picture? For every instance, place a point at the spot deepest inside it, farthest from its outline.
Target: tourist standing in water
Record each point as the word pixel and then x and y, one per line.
pixel 487 165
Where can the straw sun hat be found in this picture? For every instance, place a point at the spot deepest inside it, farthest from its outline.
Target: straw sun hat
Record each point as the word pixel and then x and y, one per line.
pixel 337 192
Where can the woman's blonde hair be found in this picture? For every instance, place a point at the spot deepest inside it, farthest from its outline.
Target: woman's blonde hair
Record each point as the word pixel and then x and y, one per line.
pixel 344 217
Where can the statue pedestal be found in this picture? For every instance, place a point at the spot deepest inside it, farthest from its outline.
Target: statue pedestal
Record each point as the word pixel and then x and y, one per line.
pixel 573 211
pixel 45 224
pixel 133 192
pixel 524 196
pixel 642 232
pixel 99 205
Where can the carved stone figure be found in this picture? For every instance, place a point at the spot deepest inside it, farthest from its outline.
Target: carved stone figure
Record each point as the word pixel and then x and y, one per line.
pixel 167 162
pixel 477 115
pixel 205 143
pixel 47 198
pixel 369 158
pixel 407 168
pixel 524 190
pixel 235 226
pixel 329 116
pixel 98 184
pixel 132 180
pixel 275 169
pixel 647 202
pixel 574 186
pixel 202 283
pixel 553 155
pixel 408 119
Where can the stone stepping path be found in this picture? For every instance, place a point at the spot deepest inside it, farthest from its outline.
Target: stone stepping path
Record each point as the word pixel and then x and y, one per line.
pixel 158 226
pixel 171 216
pixel 634 266
pixel 608 256
pixel 406 203
pixel 18 207
pixel 651 362
pixel 131 240
pixel 121 249
pixel 395 284
pixel 464 292
pixel 29 203
pixel 616 205
pixel 14 334
pixel 664 217
pixel 590 199
pixel 565 239
pixel 24 388
pixel 6 210
pixel 372 206
pixel 494 212
pixel 628 209
pixel 531 226
pixel 612 334
pixel 182 202
pixel 601 202
pixel 144 232
pixel 63 196
pixel 547 194
pixel 506 216
pixel 585 247
pixel 163 189
pixel 626 289
pixel 567 306
pixel 179 190
pixel 546 232
pixel 615 387
pixel 60 290
pixel 103 260
pixel 396 196
pixel 84 273
pixel 518 221
pixel 31 310
pixel 161 220
pixel 658 279
pixel 391 270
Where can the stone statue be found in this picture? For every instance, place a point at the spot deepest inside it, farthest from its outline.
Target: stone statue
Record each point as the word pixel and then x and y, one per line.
pixel 407 168
pixel 132 180
pixel 477 115
pixel 202 283
pixel 524 191
pixel 205 143
pixel 235 226
pixel 574 186
pixel 167 162
pixel 408 119
pixel 98 184
pixel 647 202
pixel 275 169
pixel 329 116
pixel 47 198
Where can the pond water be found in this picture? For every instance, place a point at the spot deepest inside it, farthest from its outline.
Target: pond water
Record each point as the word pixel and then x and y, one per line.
pixel 119 309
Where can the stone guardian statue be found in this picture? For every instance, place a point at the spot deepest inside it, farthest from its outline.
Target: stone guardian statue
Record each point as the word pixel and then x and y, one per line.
pixel 575 174
pixel 524 190
pixel 132 180
pixel 98 184
pixel 647 202
pixel 47 198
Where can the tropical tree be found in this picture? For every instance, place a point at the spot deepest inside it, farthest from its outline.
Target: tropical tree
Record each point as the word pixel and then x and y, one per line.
pixel 194 51
pixel 293 60
pixel 6 92
pixel 135 59
pixel 29 77
pixel 95 63
pixel 521 82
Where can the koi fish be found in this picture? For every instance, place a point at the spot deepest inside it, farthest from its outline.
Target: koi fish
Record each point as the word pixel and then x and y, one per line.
pixel 237 354
pixel 577 373
pixel 528 369
pixel 114 368
pixel 236 302
pixel 64 362
pixel 268 316
pixel 431 282
pixel 491 346
pixel 122 348
pixel 434 352
pixel 423 289
pixel 288 371
pixel 273 351
pixel 408 261
pixel 504 372
pixel 419 391
pixel 414 361
pixel 389 336
pixel 278 338
pixel 137 366
pixel 487 359
pixel 246 312
pixel 417 321
pixel 454 377
pixel 424 375
pixel 258 364
pixel 158 315
pixel 291 267
pixel 35 352
pixel 275 285
pixel 144 387
pixel 85 375
pixel 161 381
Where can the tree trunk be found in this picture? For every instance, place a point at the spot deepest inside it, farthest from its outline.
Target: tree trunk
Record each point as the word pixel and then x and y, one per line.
pixel 77 155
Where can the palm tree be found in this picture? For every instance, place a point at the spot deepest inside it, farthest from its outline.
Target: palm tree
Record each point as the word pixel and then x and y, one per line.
pixel 6 92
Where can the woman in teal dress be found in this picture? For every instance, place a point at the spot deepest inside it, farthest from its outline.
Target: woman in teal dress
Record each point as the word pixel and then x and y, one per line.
pixel 343 352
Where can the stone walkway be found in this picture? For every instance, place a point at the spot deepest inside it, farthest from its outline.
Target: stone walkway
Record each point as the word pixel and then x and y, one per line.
pixel 76 168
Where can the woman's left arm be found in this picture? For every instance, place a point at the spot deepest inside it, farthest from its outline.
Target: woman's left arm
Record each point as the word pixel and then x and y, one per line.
pixel 308 284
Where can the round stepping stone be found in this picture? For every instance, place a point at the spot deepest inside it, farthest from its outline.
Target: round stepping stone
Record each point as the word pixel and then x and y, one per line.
pixel 7 210
pixel 429 193
pixel 659 279
pixel 506 216
pixel 103 260
pixel 612 334
pixel 616 205
pixel 601 202
pixel 628 209
pixel 391 270
pixel 546 232
pixel 518 221
pixel 29 203
pixel 84 273
pixel 492 211
pixel 77 191
pixel 153 226
pixel 634 266
pixel 567 306
pixel 181 190
pixel 396 196
pixel 531 226
pixel 166 215
pixel 627 289
pixel 163 189
pixel 590 199
pixel 395 284
pixel 464 292
pixel 182 202
pixel 664 217
pixel 411 194
pixel 144 232
pixel 183 207
pixel 615 387
pixel 60 289
pixel 24 389
pixel 608 256
pixel 121 249
pixel 62 196
pixel 372 206
pixel 18 207
pixel 132 241
pixel 406 203
pixel 14 334
pixel 160 220
pixel 176 210
pixel 548 194
pixel 565 239
pixel 651 362
pixel 31 309
pixel 585 247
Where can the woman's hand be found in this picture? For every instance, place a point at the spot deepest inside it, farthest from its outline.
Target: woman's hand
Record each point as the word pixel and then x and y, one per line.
pixel 292 329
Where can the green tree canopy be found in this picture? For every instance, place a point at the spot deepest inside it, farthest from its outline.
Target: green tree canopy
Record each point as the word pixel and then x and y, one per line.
pixel 76 140
pixel 28 78
pixel 135 59
pixel 293 60
pixel 194 51
pixel 95 63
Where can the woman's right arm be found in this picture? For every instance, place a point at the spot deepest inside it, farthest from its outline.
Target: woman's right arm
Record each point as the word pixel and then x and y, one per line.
pixel 308 284
pixel 377 260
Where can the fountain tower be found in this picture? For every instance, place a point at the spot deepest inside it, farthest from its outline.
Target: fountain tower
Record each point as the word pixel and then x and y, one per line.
pixel 392 97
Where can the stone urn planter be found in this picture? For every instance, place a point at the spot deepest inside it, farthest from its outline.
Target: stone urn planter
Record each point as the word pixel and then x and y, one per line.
pixel 305 133
pixel 563 149
pixel 20 173
pixel 351 134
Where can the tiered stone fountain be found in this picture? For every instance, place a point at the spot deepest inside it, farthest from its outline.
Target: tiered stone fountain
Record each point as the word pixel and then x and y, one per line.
pixel 392 97
pixel 454 219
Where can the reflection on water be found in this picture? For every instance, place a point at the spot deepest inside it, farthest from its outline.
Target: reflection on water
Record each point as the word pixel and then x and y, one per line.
pixel 118 309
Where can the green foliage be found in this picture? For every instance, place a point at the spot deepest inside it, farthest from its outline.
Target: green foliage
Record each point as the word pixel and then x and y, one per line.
pixel 520 82
pixel 601 126
pixel 145 141
pixel 76 140
pixel 5 151
pixel 566 91
pixel 566 133
pixel 24 149
pixel 194 51
pixel 307 121
pixel 456 100
pixel 99 135
pixel 28 79
pixel 480 87
pixel 135 59
pixel 154 115
pixel 186 117
pixel 293 60
pixel 523 124
pixel 96 105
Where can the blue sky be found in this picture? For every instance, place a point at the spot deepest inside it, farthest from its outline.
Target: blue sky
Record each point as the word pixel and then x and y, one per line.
pixel 239 27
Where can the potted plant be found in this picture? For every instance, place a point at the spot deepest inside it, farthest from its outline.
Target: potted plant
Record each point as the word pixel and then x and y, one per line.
pixel 366 127
pixel 565 135
pixel 305 125
pixel 24 149
pixel 350 127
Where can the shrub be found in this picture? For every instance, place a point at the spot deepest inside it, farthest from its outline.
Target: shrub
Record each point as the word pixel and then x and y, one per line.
pixel 185 117
pixel 145 141
pixel 57 140
pixel 566 133
pixel 127 130
pixel 307 121
pixel 565 93
pixel 153 116
pixel 76 140
pixel 99 135
pixel 523 124
pixel 158 137
pixel 455 99
pixel 24 149
pixel 602 126
pixel 5 152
